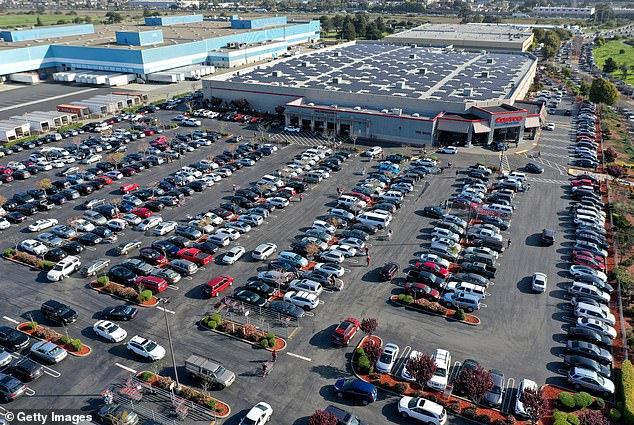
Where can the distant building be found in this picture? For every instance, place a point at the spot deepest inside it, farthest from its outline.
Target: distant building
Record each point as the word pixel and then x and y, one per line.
pixel 564 12
pixel 164 4
pixel 493 37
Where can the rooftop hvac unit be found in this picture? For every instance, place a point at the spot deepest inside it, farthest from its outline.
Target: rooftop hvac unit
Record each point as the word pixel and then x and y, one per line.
pixel 396 111
pixel 401 84
pixel 412 56
pixel 336 80
pixel 336 54
pixel 416 115
pixel 485 74
pixel 467 92
pixel 276 74
pixel 490 60
pixel 334 106
pixel 305 64
pixel 422 71
pixel 384 111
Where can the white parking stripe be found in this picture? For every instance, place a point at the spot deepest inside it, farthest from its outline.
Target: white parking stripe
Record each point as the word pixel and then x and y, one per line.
pixel 125 368
pixel 166 310
pixel 300 357
pixel 10 320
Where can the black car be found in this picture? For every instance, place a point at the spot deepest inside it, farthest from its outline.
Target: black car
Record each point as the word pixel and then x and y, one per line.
pixel 471 278
pixel 286 308
pixel 15 217
pixel 496 221
pixel 207 247
pixel 531 167
pixel 58 312
pixel 425 277
pixel 587 363
pixel 55 254
pixel 260 288
pixel 249 297
pixel 27 209
pixel 478 268
pixel 123 275
pixel 166 247
pixel 282 266
pixel 188 232
pixel 354 233
pixel 73 248
pixel 154 206
pixel 298 186
pixel 388 271
pixel 26 369
pixel 589 335
pixel 119 312
pixel 57 198
pixel 13 339
pixel 434 212
pixel 366 228
pixel 187 191
pixel 90 239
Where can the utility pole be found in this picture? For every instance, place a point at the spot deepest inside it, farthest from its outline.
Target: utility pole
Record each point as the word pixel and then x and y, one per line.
pixel 166 301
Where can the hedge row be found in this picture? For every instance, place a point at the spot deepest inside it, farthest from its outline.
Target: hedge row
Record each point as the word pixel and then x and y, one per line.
pixel 627 381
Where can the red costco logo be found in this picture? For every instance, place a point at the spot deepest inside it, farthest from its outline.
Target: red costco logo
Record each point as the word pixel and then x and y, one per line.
pixel 508 120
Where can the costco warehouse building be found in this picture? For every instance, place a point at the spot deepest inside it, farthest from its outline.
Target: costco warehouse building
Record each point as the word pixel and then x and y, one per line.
pixel 395 92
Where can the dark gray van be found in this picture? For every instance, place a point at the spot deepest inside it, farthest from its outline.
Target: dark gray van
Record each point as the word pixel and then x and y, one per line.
pixel 548 237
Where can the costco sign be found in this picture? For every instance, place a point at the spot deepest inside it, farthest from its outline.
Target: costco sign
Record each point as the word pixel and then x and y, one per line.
pixel 508 121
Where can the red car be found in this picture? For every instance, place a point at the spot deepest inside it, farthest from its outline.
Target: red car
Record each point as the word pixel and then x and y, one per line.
pixel 345 331
pixel 434 268
pixel 359 195
pixel 153 283
pixel 6 170
pixel 420 290
pixel 588 261
pixel 584 182
pixel 148 132
pixel 128 171
pixel 104 179
pixel 195 255
pixel 153 257
pixel 142 212
pixel 129 187
pixel 217 285
pixel 596 257
pixel 289 190
pixel 160 139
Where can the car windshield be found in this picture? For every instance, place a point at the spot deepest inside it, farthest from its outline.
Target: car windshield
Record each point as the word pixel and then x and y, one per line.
pixel 440 372
pixel 58 267
pixel 386 358
pixel 55 351
pixel 412 403
pixel 496 390
pixel 150 346
pixel 112 328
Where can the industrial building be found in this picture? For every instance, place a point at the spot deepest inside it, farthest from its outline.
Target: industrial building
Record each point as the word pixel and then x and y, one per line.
pixel 564 12
pixel 493 37
pixel 395 93
pixel 161 44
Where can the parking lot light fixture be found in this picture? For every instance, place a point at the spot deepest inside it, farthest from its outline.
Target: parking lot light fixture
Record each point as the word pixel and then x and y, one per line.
pixel 166 301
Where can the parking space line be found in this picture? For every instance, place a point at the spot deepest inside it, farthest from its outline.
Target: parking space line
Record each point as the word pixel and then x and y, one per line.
pixel 29 392
pixel 10 320
pixel 166 310
pixel 300 357
pixel 400 364
pixel 506 404
pixel 125 367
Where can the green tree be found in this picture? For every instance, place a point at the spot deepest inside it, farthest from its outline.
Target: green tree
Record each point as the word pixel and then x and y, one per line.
pixel 372 32
pixel 625 70
pixel 603 91
pixel 599 41
pixel 349 33
pixel 326 23
pixel 380 24
pixel 113 17
pixel 584 88
pixel 38 22
pixel 549 51
pixel 610 65
pixel 552 39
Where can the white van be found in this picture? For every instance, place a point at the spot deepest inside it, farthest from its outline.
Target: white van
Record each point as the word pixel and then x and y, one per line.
pixel 372 218
pixel 306 285
pixel 271 180
pixel 442 358
pixel 350 201
pixel 516 175
pixel 393 195
pixel 292 258
pixel 469 288
pixel 498 208
pixel 374 151
pixel 594 312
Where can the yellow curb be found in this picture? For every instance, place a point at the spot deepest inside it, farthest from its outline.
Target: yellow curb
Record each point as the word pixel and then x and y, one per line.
pixel 519 152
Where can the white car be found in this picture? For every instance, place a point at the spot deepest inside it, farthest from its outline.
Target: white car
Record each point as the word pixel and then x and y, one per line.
pixel 330 268
pixel 233 255
pixel 539 282
pixel 63 268
pixel 131 199
pixel 390 353
pixel 449 150
pixel 596 325
pixel 4 224
pixel 133 219
pixel 83 225
pixel 550 127
pixel 149 223
pixel 145 348
pixel 117 224
pixel 303 299
pixel 445 233
pixel 61 164
pixel 258 415
pixel 42 224
pixel 279 202
pixel 33 247
pixel 191 123
pixel 347 250
pixel 263 251
pixel 110 331
pixel 578 270
pixel 292 129
pixel 525 384
pixel 423 410
pixel 252 219
pixel 333 256
pixel 323 226
pixel 404 373
pixel 433 258
pixel 164 228
pixel 114 175
pixel 358 244
pixel 48 351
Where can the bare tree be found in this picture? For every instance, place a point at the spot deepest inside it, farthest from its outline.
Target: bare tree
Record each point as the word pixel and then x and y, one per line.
pixel 3 200
pixel 143 147
pixel 115 158
pixel 312 249
pixel 44 184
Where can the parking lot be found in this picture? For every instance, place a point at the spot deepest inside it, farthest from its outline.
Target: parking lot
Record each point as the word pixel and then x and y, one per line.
pixel 520 332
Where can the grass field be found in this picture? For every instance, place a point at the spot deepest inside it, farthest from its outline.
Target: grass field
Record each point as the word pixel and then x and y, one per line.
pixel 10 21
pixel 611 49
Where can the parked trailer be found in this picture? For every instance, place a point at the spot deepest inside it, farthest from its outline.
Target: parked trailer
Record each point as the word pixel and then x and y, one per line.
pixel 25 77
pixel 79 110
pixel 95 108
pixel 120 79
pixel 160 77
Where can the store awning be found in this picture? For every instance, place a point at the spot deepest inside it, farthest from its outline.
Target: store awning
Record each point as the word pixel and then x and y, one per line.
pixel 454 126
pixel 532 122
pixel 479 127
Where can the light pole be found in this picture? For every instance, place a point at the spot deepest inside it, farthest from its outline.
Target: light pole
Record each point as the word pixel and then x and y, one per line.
pixel 166 301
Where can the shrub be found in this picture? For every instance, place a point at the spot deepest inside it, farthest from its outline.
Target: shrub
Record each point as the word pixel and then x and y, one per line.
pixel 566 400
pixel 45 333
pixel 454 407
pixel 594 417
pixel 65 340
pixel 212 404
pixel 216 317
pixel 460 315
pixel 599 403
pixel 358 352
pixel 563 418
pixel 615 415
pixel 31 326
pixel 270 336
pixel 27 259
pixel 400 388
pixel 146 376
pixel 405 299
pixel 364 364
pixel 103 280
pixel 45 265
pixel 610 154
pixel 264 343
pixel 615 170
pixel 573 419
pixel 145 295
pixel 583 400
pixel 430 306
pixel 627 383
pixel 469 412
pixel 76 344
pixel 483 418
pixel 248 331
pixel 9 252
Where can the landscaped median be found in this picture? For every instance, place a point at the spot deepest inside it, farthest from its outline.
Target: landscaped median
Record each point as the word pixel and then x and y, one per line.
pixel 425 306
pixel 44 333
pixel 220 408
pixel 143 299
pixel 27 259
pixel 247 333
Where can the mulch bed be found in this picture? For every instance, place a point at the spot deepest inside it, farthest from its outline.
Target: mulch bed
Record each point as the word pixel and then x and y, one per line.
pixel 469 318
pixel 24 328
pixel 150 303
pixel 280 343
pixel 551 392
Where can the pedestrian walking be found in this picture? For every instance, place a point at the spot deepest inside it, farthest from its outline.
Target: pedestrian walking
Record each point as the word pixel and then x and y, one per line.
pixel 509 244
pixel 233 188
pixel 367 251
pixel 389 234
pixel 274 355
pixel 264 369
pixel 442 170
pixel 301 197
pixel 539 153
pixel 367 260
pixel 457 172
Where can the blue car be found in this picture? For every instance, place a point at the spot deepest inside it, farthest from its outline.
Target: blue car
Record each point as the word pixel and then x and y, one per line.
pixel 165 185
pixel 125 207
pixel 356 390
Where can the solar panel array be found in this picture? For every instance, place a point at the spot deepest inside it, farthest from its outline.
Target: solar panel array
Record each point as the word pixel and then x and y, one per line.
pixel 397 70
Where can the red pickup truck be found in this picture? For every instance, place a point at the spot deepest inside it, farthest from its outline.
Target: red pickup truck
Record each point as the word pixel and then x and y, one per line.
pixel 196 256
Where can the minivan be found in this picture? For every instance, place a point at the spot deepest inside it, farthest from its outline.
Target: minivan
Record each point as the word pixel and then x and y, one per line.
pixel 183 267
pixel 292 258
pixel 307 285
pixel 217 285
pixel 381 221
pixel 502 209
pixel 469 288
pixel 548 237
pixel 594 312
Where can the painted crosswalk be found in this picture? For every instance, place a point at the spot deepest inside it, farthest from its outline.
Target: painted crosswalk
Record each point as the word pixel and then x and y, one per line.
pixel 551 181
pixel 306 138
pixel 545 162
pixel 505 166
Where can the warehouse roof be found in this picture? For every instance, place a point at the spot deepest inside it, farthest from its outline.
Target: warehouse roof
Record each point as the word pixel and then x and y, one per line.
pixel 398 70
pixel 462 32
